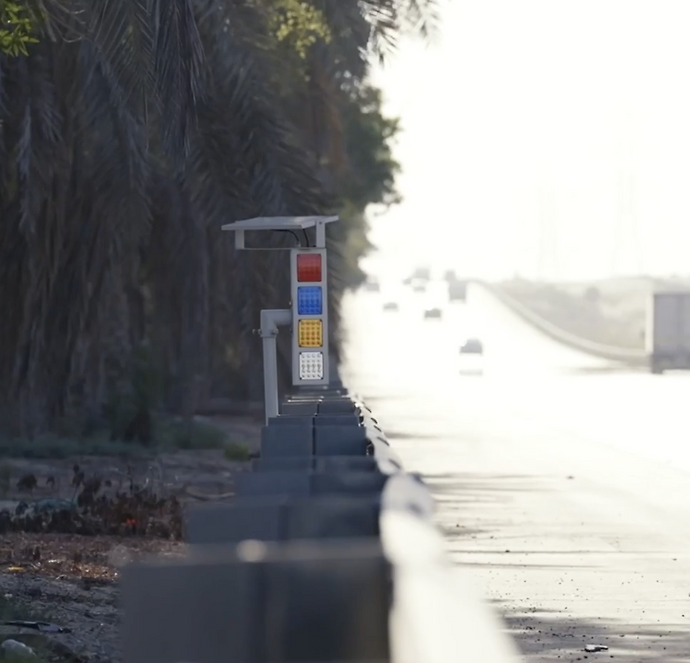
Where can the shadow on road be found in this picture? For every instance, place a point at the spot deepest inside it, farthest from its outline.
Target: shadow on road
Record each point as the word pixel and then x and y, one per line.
pixel 473 486
pixel 397 435
pixel 547 636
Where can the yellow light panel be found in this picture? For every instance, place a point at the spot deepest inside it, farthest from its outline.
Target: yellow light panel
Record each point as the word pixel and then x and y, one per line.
pixel 310 333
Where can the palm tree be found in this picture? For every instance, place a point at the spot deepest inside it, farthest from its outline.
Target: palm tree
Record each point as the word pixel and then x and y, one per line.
pixel 129 133
pixel 75 158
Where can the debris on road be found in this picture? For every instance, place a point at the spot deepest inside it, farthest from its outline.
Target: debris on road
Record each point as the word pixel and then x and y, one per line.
pixel 596 648
pixel 43 627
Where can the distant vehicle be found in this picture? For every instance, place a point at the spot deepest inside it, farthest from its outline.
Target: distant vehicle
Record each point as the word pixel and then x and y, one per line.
pixel 432 313
pixel 457 291
pixel 472 346
pixel 390 306
pixel 668 331
pixel 418 287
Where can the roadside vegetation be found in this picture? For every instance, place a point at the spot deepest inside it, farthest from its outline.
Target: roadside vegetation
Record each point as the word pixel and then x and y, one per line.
pixel 130 131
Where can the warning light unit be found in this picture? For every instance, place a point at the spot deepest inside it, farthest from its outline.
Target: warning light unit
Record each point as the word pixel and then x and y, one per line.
pixel 308 312
pixel 310 323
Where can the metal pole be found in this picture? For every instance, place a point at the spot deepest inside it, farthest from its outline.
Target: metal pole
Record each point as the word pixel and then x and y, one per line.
pixel 270 375
pixel 270 320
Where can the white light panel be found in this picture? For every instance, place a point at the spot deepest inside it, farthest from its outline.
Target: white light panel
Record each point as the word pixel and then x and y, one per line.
pixel 311 365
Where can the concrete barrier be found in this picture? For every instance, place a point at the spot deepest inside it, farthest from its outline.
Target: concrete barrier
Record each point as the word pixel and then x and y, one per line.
pixel 327 554
pixel 613 353
pixel 260 602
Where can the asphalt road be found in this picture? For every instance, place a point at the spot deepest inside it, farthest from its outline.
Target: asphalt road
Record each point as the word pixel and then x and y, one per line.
pixel 563 482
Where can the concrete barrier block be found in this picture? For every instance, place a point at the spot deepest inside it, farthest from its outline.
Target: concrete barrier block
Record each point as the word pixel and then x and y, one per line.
pixel 335 603
pixel 333 517
pixel 260 603
pixel 303 408
pixel 282 441
pixel 340 441
pixel 277 518
pixel 348 483
pixel 317 463
pixel 346 464
pixel 344 406
pixel 291 420
pixel 188 611
pixel 263 484
pixel 213 524
pixel 305 397
pixel 337 420
pixel 307 484
pixel 284 464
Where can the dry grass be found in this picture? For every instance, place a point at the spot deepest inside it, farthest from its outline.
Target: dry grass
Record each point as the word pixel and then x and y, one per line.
pixel 72 580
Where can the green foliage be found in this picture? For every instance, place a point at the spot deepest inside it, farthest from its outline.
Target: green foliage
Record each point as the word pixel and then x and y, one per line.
pixel 370 175
pixel 298 24
pixel 17 29
pixel 129 137
pixel 134 396
pixel 180 434
pixel 169 433
pixel 369 137
pixel 236 452
pixel 55 447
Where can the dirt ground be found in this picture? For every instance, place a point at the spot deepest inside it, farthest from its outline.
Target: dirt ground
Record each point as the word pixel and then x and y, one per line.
pixel 73 585
pixel 71 580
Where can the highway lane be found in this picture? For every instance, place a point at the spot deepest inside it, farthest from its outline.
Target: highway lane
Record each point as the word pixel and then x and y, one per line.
pixel 628 408
pixel 535 377
pixel 556 483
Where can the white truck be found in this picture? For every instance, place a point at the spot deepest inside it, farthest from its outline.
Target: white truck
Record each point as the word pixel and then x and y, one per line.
pixel 668 331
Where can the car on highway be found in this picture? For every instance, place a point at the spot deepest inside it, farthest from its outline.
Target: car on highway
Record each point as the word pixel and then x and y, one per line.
pixel 472 346
pixel 390 306
pixel 432 313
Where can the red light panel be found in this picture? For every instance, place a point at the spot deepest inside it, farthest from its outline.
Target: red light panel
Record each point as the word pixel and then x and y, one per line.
pixel 308 267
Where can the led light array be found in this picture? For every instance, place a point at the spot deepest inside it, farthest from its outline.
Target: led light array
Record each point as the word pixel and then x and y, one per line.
pixel 309 267
pixel 309 319
pixel 310 334
pixel 309 300
pixel 311 365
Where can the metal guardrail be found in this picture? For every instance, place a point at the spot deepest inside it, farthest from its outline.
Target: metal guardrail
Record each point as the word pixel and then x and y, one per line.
pixel 614 353
pixel 328 553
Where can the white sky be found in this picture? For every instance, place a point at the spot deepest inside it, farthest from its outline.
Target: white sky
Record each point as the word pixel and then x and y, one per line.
pixel 560 124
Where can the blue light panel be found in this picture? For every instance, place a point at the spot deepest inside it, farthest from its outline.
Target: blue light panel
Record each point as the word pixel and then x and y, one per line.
pixel 309 300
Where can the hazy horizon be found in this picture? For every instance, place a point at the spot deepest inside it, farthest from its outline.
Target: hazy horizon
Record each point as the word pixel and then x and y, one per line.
pixel 542 139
